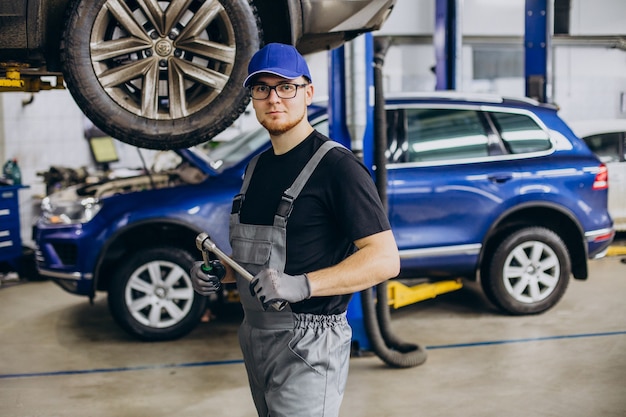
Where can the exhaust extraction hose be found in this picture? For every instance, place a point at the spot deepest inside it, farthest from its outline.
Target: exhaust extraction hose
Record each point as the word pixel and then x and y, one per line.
pixel 377 318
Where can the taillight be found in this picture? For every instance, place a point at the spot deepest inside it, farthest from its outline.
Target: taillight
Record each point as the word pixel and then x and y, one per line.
pixel 601 182
pixel 603 238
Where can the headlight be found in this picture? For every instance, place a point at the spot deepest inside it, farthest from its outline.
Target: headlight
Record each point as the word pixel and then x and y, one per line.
pixel 69 212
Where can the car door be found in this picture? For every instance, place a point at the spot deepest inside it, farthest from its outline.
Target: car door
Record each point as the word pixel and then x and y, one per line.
pixel 448 180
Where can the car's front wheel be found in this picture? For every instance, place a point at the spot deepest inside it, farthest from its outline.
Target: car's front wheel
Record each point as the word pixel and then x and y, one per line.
pixel 151 295
pixel 160 75
pixel 528 272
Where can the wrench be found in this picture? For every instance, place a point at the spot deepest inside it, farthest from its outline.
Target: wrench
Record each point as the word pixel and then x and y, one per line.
pixel 205 245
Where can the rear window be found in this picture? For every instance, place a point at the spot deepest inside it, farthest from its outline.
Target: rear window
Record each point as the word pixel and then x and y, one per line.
pixel 520 133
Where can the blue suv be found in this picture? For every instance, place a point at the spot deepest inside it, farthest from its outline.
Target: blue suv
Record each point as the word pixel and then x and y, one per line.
pixel 482 188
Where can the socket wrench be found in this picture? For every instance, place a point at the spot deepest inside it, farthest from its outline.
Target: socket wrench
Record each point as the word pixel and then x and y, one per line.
pixel 206 245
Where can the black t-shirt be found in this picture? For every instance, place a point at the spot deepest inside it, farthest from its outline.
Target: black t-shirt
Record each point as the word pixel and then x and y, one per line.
pixel 338 205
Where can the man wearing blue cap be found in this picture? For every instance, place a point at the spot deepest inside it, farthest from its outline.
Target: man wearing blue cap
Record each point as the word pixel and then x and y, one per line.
pixel 309 225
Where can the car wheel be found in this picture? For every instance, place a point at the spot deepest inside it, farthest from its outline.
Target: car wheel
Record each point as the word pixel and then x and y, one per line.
pixel 528 272
pixel 151 295
pixel 159 75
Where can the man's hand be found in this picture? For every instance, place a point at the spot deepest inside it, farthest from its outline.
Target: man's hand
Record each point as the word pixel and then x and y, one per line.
pixel 269 286
pixel 206 280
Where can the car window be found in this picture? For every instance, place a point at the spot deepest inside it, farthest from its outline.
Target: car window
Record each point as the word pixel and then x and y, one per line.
pixel 520 133
pixel 424 135
pixel 226 154
pixel 605 146
pixel 322 126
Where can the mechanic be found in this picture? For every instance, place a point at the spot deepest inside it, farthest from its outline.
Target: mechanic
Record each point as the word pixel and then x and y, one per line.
pixel 309 225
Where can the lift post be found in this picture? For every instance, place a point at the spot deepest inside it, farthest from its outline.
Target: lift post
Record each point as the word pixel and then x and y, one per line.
pixel 447 39
pixel 536 48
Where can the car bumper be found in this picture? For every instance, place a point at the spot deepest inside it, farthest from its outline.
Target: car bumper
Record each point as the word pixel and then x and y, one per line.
pixel 599 241
pixel 61 255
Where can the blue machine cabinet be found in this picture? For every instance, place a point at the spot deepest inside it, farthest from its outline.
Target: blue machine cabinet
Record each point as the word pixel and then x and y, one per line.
pixel 10 239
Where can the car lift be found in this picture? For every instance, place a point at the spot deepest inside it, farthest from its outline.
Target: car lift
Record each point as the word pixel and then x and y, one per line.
pixel 13 78
pixel 401 295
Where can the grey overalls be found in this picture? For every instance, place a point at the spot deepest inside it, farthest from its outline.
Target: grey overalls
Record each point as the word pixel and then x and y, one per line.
pixel 297 364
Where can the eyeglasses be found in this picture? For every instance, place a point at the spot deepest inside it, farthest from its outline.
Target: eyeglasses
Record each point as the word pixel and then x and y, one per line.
pixel 286 90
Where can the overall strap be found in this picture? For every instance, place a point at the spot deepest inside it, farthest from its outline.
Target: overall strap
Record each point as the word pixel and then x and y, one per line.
pixel 291 193
pixel 238 200
pixel 248 174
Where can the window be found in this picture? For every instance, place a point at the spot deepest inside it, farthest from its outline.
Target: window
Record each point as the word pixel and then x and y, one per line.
pixel 444 134
pixel 490 62
pixel 605 146
pixel 520 133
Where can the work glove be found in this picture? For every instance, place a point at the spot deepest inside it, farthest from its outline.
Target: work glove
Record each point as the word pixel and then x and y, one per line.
pixel 271 286
pixel 206 279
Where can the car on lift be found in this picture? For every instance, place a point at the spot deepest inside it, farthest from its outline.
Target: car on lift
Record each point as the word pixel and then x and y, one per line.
pixel 163 74
pixel 607 139
pixel 482 188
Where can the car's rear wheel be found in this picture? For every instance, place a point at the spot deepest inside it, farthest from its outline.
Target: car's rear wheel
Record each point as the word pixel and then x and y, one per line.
pixel 528 272
pixel 151 296
pixel 159 75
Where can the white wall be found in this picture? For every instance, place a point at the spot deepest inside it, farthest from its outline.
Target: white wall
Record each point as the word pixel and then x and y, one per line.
pixel 48 131
pixel 505 17
pixel 588 83
pixel 598 17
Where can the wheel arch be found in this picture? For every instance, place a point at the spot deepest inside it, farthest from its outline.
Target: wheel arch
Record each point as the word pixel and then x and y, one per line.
pixel 52 16
pixel 36 27
pixel 272 15
pixel 548 215
pixel 142 235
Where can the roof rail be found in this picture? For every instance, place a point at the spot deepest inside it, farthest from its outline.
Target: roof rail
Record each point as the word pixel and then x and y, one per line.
pixel 463 95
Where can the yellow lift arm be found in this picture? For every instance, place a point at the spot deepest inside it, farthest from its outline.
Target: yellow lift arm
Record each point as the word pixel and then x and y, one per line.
pixel 401 295
pixel 12 79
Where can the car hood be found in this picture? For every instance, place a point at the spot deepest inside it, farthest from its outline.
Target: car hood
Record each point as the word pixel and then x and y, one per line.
pixel 185 173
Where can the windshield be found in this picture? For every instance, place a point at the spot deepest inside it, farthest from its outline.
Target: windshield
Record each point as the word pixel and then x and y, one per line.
pixel 225 154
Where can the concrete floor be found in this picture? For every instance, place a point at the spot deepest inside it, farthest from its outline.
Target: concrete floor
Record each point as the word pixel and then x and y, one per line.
pixel 61 356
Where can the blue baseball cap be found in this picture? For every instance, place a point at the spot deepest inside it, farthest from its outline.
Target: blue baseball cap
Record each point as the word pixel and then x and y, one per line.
pixel 278 59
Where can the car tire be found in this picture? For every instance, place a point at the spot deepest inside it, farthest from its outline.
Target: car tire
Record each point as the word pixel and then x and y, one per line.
pixel 126 84
pixel 151 296
pixel 528 272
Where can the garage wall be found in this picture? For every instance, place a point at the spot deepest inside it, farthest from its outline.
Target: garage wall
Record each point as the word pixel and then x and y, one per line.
pixel 45 131
pixel 588 82
pixel 598 17
pixel 588 77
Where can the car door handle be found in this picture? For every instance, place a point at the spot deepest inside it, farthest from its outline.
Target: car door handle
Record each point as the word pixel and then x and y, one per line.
pixel 500 178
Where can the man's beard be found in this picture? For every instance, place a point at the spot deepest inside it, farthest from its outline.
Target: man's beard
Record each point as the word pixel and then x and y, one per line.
pixel 277 129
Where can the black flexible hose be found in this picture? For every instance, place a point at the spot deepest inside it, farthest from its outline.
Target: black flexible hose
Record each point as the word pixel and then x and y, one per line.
pixel 145 168
pixel 377 319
